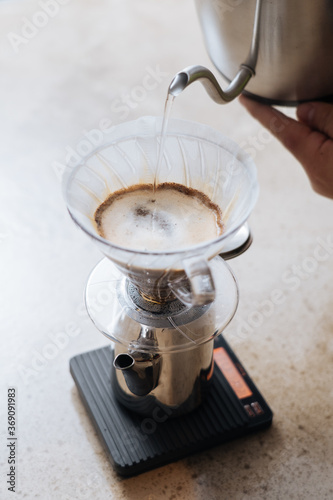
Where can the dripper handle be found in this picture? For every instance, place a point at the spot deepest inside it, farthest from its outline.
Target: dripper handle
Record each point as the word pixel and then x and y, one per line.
pixel 202 286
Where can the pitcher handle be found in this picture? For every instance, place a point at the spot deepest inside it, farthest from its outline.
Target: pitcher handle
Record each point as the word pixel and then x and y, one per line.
pixel 202 288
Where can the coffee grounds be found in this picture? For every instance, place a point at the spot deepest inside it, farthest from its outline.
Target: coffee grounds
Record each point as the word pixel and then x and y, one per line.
pixel 142 211
pixel 156 218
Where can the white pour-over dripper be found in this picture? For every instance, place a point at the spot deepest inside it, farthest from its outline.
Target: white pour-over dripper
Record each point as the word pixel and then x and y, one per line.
pixel 196 156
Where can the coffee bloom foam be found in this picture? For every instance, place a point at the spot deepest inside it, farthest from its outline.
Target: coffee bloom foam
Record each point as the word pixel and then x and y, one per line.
pixel 172 216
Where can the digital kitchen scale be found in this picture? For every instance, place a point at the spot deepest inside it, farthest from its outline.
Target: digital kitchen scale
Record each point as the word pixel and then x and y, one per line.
pixel 232 408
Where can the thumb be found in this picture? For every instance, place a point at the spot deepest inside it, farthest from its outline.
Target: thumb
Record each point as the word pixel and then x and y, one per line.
pixel 318 116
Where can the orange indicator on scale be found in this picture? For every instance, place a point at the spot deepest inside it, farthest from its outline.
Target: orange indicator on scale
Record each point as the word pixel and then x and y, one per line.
pixel 229 370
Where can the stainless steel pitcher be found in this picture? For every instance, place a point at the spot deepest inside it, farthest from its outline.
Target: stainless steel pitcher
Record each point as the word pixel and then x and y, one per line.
pixel 280 51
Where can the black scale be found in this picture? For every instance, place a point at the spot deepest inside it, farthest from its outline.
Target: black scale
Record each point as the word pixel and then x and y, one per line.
pixel 233 408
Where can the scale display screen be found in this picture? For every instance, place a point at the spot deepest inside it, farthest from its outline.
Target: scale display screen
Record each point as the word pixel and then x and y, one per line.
pixel 229 370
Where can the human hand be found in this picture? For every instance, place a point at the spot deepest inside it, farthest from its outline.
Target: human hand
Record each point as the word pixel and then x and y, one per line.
pixel 310 139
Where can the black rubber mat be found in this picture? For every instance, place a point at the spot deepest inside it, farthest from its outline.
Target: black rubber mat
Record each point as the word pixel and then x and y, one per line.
pixel 233 407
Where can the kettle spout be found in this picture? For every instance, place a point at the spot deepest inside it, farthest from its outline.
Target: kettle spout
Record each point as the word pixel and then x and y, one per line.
pixel 199 73
pixel 192 74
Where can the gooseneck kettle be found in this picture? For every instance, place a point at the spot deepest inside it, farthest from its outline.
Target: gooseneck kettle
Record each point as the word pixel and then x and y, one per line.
pixel 278 51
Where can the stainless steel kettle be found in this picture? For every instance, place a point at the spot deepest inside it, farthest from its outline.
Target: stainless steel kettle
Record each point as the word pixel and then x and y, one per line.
pixel 279 51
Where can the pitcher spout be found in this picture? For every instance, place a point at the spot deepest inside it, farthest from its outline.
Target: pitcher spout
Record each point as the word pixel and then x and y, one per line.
pixel 141 369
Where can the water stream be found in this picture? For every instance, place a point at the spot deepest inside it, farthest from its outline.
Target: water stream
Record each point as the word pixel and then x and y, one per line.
pixel 167 110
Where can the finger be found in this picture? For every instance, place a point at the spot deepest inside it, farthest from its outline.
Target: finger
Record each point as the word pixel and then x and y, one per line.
pixel 314 150
pixel 293 134
pixel 317 115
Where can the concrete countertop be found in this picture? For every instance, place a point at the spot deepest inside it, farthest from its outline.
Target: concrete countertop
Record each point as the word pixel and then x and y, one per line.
pixel 64 73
